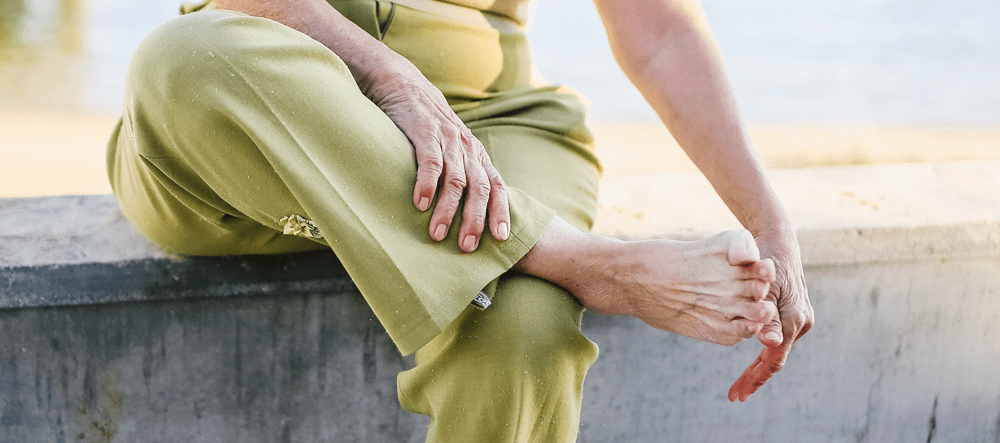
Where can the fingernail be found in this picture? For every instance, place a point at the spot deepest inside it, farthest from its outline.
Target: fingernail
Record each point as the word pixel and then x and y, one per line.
pixel 424 204
pixel 773 336
pixel 470 243
pixel 763 272
pixel 503 230
pixel 440 232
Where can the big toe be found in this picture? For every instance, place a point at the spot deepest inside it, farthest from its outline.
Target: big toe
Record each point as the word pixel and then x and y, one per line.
pixel 741 249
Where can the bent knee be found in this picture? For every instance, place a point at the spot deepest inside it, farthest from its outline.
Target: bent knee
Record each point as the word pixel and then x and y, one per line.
pixel 218 49
pixel 185 41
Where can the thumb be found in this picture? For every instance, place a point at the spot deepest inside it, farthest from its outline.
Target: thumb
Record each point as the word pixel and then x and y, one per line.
pixel 770 335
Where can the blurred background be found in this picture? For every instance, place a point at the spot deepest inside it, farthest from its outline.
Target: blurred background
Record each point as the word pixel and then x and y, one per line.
pixel 820 83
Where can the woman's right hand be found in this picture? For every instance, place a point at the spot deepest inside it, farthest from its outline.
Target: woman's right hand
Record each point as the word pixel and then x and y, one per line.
pixel 451 162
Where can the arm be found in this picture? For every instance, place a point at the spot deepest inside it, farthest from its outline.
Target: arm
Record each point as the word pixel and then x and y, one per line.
pixel 445 149
pixel 667 50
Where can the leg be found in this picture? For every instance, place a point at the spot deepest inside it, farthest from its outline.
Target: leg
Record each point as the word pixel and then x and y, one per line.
pixel 511 373
pixel 514 373
pixel 233 123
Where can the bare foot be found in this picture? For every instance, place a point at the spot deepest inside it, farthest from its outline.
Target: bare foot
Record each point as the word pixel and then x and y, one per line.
pixel 711 290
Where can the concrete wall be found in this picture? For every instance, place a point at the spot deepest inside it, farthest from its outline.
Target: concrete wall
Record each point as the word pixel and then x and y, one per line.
pixel 106 339
pixel 901 352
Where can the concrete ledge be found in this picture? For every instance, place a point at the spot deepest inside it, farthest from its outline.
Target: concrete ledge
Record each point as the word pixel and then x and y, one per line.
pixel 902 263
pixel 843 214
pixel 60 251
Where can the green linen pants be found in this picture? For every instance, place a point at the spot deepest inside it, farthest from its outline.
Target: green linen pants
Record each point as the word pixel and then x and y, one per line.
pixel 242 136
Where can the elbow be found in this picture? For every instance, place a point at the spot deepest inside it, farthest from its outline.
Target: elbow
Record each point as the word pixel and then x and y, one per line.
pixel 646 41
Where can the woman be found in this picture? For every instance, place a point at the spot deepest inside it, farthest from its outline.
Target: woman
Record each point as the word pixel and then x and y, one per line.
pixel 456 188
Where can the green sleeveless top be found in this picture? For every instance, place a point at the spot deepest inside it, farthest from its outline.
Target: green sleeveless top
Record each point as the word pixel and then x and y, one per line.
pixel 517 11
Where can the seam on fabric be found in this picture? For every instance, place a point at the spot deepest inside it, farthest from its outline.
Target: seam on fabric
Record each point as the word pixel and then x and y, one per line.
pixel 383 28
pixel 404 401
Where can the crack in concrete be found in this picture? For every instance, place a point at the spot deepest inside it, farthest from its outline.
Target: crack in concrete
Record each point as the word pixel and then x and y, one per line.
pixel 932 423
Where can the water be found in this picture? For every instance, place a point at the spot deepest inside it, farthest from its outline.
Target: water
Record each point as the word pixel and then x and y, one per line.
pixel 906 61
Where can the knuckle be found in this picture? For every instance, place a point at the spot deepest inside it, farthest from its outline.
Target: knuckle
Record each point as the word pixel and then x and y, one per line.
pixel 801 318
pixel 497 182
pixel 448 132
pixel 479 188
pixel 774 366
pixel 446 208
pixel 433 164
pixel 455 181
pixel 475 220
pixel 465 135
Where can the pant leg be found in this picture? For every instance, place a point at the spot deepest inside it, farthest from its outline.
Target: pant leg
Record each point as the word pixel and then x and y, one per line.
pixel 178 164
pixel 233 123
pixel 515 373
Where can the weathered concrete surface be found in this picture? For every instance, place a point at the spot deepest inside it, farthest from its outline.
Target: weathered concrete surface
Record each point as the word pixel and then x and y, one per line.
pixel 275 368
pixel 901 352
pixel 239 349
pixel 42 231
pixel 904 349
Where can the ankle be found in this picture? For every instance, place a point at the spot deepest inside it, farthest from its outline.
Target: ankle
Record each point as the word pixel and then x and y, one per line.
pixel 574 260
pixel 605 265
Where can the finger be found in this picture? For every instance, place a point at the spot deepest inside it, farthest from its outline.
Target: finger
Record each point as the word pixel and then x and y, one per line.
pixel 430 165
pixel 768 363
pixel 739 387
pixel 452 188
pixel 761 270
pixel 499 209
pixel 743 249
pixel 770 335
pixel 477 192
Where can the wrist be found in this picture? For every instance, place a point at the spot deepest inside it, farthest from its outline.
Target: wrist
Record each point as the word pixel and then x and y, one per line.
pixel 383 75
pixel 771 221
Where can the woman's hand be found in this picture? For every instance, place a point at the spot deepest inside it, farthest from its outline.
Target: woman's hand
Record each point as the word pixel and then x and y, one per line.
pixel 795 314
pixel 451 162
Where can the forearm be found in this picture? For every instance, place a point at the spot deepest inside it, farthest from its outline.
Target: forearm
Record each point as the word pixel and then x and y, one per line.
pixel 371 63
pixel 668 52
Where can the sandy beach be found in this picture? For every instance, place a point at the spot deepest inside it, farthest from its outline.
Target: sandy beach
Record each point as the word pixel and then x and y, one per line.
pixel 47 153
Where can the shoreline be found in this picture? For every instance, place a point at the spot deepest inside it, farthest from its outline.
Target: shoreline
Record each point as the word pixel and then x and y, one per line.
pixel 53 153
pixel 794 145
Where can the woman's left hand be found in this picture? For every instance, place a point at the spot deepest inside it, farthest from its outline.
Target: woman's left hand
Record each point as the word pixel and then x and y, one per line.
pixel 795 314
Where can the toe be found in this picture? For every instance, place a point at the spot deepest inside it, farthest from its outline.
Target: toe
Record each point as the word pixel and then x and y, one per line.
pixel 741 248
